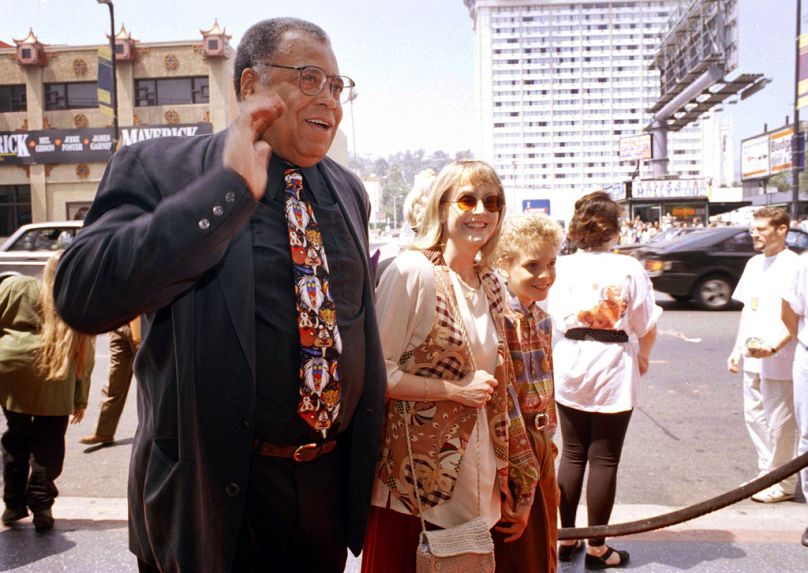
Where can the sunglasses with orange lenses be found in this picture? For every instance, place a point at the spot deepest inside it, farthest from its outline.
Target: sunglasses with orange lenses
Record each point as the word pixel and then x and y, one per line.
pixel 468 202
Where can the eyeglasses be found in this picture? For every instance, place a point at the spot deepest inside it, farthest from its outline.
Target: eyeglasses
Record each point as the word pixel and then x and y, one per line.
pixel 468 202
pixel 311 80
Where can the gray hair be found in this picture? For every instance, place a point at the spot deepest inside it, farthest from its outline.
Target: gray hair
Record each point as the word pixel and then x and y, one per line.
pixel 261 41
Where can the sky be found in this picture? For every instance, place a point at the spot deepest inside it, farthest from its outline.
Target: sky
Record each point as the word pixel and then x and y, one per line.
pixel 413 61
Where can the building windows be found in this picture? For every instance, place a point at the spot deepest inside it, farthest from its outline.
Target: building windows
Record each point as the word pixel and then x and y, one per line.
pixel 171 91
pixel 15 207
pixel 71 95
pixel 12 98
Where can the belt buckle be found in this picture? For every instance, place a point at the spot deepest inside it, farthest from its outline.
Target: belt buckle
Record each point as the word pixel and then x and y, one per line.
pixel 305 453
pixel 540 421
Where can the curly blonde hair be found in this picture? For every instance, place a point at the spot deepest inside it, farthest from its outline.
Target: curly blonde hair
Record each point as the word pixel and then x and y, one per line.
pixel 528 230
pixel 61 347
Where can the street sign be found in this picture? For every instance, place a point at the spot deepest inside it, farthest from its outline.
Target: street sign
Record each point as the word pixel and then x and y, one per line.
pixel 536 206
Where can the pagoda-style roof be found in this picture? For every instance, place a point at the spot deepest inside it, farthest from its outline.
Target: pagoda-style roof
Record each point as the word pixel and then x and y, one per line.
pixel 125 35
pixel 29 39
pixel 215 30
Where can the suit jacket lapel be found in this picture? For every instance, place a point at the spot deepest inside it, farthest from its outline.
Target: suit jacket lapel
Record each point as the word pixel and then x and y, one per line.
pixel 350 209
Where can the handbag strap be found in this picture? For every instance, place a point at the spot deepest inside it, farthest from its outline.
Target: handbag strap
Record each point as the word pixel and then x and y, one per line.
pixel 464 332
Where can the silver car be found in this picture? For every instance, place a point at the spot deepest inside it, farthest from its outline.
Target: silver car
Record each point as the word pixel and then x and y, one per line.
pixel 26 251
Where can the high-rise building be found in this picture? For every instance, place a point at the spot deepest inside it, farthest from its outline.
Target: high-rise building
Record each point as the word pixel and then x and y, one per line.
pixel 559 83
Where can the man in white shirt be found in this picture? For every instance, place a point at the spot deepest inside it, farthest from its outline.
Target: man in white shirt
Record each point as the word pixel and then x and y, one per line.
pixel 768 350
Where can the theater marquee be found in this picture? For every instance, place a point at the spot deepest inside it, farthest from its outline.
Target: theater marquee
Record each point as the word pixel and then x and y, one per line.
pixel 88 145
pixel 55 146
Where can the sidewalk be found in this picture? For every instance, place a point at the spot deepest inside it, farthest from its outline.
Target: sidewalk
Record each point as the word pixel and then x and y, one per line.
pixel 90 537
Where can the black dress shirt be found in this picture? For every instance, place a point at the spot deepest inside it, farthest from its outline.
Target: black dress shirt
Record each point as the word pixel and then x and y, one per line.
pixel 276 335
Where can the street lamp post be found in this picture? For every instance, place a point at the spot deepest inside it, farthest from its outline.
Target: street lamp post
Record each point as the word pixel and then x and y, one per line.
pixel 353 125
pixel 114 72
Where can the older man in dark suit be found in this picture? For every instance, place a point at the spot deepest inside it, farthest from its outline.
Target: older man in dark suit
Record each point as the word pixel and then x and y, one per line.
pixel 260 375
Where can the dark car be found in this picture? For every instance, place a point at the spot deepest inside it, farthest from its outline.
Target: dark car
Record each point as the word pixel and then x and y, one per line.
pixel 706 265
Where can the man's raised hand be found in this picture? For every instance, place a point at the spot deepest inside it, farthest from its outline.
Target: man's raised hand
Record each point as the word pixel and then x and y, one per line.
pixel 244 150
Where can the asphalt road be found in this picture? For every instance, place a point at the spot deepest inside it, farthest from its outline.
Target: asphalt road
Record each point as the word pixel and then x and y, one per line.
pixel 686 443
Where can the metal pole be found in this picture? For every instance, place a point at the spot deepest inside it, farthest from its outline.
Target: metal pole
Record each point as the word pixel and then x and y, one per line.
pixel 353 127
pixel 795 159
pixel 114 72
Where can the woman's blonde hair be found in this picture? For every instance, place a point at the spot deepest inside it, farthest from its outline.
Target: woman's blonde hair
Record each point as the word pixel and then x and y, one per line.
pixel 452 176
pixel 61 347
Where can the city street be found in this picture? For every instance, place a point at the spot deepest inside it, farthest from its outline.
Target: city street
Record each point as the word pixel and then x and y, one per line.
pixel 686 443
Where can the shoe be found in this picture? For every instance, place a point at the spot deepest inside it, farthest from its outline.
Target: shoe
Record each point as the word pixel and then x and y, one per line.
pixel 804 539
pixel 96 439
pixel 43 520
pixel 772 495
pixel 567 552
pixel 12 514
pixel 595 562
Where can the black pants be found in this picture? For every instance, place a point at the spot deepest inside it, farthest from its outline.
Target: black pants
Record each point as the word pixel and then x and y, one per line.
pixel 597 439
pixel 33 456
pixel 295 518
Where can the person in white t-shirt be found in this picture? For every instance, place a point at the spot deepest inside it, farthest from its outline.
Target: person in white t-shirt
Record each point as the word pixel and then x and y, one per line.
pixel 767 350
pixel 599 301
pixel 794 309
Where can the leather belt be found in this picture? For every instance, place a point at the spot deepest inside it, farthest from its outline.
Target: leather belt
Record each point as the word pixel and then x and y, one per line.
pixel 540 421
pixel 304 453
pixel 597 334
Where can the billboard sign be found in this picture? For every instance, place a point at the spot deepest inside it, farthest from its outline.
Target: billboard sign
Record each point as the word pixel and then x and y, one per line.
pixel 55 146
pixel 105 91
pixel 536 206
pixel 636 147
pixel 755 157
pixel 780 150
pixel 670 188
pixel 802 82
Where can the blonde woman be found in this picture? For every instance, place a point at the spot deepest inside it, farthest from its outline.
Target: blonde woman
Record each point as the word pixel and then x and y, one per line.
pixel 45 370
pixel 441 319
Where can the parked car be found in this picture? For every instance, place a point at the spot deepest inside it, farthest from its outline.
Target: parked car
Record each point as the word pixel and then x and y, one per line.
pixel 663 236
pixel 27 250
pixel 706 265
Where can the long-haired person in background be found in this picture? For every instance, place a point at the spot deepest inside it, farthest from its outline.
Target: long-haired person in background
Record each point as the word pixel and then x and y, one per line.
pixel 598 303
pixel 45 370
pixel 449 380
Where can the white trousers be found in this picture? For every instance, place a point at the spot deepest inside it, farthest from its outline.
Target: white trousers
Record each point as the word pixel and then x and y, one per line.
pixel 770 421
pixel 800 373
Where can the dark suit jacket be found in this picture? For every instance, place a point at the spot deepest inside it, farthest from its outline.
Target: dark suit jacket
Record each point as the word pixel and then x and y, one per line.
pixel 168 236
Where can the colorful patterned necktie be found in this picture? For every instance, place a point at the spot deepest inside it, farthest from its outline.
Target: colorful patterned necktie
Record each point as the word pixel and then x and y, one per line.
pixel 320 344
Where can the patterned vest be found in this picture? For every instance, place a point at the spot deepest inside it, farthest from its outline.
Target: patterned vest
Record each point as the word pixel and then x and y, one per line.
pixel 439 431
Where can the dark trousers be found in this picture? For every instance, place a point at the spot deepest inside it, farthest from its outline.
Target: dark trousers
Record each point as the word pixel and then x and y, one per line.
pixel 33 456
pixel 122 350
pixel 595 438
pixel 295 518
